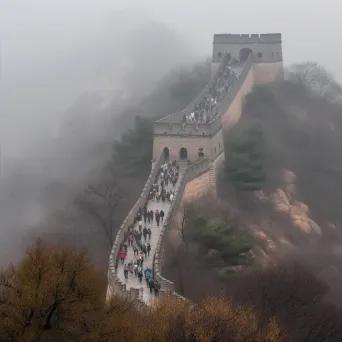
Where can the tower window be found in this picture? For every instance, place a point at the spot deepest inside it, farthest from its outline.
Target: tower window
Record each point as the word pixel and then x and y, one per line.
pixel 219 55
pixel 259 54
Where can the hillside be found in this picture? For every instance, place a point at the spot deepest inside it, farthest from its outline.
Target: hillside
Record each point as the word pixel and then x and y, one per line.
pixel 296 213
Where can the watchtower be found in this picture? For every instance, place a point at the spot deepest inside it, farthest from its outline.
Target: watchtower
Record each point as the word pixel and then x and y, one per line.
pixel 265 47
pixel 257 59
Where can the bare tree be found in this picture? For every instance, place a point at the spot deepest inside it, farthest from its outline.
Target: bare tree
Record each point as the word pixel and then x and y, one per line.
pixel 296 297
pixel 100 201
pixel 316 79
pixel 183 219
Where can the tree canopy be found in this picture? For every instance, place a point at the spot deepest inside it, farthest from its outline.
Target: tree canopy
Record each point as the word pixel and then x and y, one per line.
pixel 55 294
pixel 133 152
pixel 231 243
pixel 244 161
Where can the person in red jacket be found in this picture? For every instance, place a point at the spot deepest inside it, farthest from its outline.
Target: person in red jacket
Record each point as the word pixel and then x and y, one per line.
pixel 122 256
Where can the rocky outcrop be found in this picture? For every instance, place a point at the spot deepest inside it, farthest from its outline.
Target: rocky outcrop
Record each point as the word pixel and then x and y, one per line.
pixel 297 211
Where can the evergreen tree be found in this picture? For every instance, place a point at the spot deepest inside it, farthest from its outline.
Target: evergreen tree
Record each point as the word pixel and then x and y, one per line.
pixel 231 243
pixel 133 152
pixel 244 161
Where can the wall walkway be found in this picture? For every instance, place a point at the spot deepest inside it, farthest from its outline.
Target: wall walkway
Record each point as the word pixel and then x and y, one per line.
pixel 133 281
pixel 194 170
pixel 130 288
pixel 115 284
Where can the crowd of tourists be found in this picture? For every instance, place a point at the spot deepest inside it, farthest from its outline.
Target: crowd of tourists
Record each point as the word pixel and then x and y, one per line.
pixel 169 173
pixel 207 109
pixel 139 235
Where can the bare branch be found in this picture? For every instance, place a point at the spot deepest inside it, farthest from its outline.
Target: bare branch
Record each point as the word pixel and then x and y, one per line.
pixel 100 202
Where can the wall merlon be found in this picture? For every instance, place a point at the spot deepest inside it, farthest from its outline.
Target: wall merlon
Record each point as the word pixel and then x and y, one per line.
pixel 264 38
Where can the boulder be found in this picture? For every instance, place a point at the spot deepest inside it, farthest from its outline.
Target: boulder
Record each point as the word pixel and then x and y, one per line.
pixel 289 177
pixel 280 201
pixel 298 211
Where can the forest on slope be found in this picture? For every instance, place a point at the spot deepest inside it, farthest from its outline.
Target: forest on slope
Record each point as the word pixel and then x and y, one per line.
pixel 273 236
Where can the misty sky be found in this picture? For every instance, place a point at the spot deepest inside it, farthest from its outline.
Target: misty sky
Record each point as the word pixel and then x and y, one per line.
pixel 37 36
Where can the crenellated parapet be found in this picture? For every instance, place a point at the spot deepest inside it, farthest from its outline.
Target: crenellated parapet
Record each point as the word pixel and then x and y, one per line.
pixel 264 38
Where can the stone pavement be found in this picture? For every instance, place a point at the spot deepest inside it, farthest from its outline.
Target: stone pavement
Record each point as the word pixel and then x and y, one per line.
pixel 133 281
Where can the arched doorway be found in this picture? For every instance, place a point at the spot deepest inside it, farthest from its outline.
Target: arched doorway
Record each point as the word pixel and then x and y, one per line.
pixel 244 54
pixel 166 153
pixel 200 152
pixel 183 153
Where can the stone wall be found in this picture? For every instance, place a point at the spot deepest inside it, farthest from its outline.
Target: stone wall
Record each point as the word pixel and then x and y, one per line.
pixel 193 171
pixel 266 73
pixel 115 286
pixel 198 187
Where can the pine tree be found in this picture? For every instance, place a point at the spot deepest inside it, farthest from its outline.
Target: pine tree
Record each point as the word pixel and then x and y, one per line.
pixel 244 162
pixel 133 152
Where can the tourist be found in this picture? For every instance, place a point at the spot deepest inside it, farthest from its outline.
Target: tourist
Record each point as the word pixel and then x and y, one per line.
pixel 140 274
pixel 122 256
pixel 130 239
pixel 162 215
pixel 151 284
pixel 126 271
pixel 148 273
pixel 135 250
pixel 145 233
pixel 144 249
pixel 130 266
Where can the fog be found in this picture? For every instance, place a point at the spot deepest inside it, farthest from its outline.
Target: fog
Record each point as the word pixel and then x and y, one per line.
pixel 61 59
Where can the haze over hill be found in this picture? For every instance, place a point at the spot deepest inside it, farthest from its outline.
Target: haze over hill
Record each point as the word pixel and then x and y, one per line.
pixel 64 66
pixel 61 87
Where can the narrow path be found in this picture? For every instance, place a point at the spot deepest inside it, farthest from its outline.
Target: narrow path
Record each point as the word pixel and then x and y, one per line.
pixel 133 280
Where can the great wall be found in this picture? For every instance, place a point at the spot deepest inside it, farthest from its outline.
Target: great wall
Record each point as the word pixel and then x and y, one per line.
pixel 260 62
